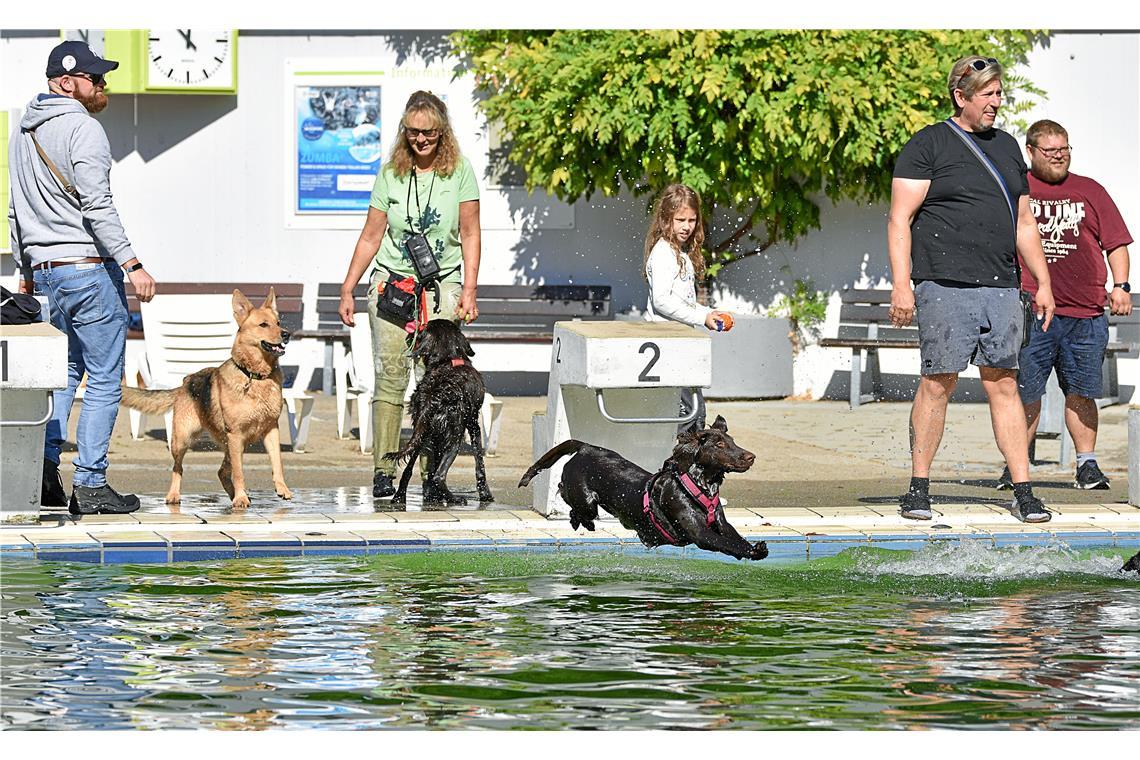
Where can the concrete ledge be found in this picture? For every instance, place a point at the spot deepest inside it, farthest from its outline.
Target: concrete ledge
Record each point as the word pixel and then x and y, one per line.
pixel 793 535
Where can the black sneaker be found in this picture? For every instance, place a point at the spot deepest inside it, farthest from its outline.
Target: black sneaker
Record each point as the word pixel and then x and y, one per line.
pixel 101 500
pixel 1089 477
pixel 915 506
pixel 382 485
pixel 51 486
pixel 1031 510
pixel 1005 482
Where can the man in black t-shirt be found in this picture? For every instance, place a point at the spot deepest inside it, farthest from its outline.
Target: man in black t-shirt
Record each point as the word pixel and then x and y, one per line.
pixel 958 216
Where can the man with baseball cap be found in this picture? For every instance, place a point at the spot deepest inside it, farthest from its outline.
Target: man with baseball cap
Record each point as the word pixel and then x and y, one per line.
pixel 70 246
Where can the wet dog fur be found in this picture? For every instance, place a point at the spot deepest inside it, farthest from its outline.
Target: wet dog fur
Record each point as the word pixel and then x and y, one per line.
pixel 236 409
pixel 597 477
pixel 444 406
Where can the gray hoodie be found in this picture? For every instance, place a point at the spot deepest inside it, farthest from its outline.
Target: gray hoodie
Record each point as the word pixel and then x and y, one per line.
pixel 46 222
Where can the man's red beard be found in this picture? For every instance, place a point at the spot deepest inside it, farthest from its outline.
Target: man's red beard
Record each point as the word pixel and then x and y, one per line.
pixel 95 102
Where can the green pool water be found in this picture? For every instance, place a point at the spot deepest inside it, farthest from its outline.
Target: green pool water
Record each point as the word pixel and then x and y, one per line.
pixel 953 636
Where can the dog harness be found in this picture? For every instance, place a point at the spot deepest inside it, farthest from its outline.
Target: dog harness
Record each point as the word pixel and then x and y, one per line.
pixel 710 503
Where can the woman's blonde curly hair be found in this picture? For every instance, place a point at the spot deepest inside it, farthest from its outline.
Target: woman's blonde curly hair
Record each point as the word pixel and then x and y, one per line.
pixel 447 153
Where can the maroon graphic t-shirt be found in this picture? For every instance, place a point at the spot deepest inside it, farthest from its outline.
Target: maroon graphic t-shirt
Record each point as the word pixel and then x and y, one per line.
pixel 1077 220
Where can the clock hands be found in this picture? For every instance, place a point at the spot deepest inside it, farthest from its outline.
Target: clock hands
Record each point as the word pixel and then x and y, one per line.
pixel 186 36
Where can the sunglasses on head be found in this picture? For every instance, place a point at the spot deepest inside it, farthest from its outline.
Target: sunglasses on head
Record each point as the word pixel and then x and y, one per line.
pixel 983 64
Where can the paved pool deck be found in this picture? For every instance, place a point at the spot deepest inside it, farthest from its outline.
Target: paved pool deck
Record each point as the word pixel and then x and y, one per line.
pixel 827 478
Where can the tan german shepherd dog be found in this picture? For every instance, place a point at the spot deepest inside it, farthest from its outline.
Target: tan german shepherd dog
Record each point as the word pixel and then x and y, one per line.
pixel 236 403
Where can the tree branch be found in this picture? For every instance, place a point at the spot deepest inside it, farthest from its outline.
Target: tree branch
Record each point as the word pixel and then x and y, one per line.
pixel 727 243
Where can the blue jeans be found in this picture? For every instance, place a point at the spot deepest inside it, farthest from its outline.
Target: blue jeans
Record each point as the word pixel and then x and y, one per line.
pixel 1074 346
pixel 88 304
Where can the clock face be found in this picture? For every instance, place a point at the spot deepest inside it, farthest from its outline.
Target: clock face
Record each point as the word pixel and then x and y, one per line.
pixel 190 58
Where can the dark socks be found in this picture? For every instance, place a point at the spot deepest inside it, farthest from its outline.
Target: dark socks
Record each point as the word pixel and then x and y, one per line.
pixel 920 486
pixel 1022 491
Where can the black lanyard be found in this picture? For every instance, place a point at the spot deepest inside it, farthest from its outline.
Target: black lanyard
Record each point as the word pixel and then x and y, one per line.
pixel 415 180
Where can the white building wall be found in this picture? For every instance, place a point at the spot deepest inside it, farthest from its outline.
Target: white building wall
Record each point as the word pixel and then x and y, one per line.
pixel 200 184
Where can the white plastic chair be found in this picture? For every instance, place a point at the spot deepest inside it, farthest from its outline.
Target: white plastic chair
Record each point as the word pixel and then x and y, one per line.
pixel 185 333
pixel 355 384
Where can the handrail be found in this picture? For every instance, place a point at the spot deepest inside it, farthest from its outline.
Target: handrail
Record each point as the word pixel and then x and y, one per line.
pixel 48 416
pixel 692 415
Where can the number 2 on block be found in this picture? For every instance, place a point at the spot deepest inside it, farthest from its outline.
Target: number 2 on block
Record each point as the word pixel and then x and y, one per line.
pixel 645 377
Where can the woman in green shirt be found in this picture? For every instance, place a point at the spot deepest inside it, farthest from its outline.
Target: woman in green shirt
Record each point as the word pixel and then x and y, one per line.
pixel 428 187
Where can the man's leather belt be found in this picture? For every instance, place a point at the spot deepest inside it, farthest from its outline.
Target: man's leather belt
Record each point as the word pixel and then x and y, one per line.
pixel 53 264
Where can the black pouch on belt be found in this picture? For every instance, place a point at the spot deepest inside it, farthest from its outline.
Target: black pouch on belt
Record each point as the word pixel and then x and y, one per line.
pixel 397 299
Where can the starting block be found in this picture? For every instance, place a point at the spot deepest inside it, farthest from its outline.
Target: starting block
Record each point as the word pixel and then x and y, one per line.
pixel 617 385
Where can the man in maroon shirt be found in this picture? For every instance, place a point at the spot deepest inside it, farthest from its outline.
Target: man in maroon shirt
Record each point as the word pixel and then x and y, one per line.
pixel 1077 221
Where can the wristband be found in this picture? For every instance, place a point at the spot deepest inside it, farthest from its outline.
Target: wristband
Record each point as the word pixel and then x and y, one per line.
pixel 134 267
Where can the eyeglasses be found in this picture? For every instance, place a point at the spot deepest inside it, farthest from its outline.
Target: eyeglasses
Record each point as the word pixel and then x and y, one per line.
pixel 96 79
pixel 412 133
pixel 1064 150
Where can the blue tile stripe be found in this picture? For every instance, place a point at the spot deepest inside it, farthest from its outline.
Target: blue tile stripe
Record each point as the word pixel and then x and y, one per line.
pixel 781 547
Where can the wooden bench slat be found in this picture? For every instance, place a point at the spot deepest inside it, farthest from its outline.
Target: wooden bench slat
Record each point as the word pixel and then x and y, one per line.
pixel 865 296
pixel 862 313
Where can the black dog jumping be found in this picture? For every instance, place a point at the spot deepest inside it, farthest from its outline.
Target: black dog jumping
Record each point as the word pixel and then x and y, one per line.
pixel 445 404
pixel 678 505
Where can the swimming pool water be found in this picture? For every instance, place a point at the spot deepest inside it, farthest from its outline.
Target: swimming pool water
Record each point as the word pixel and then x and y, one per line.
pixel 954 636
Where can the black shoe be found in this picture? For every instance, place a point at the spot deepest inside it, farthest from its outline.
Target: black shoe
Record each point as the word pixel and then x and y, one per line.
pixel 1089 477
pixel 1031 510
pixel 382 485
pixel 1005 482
pixel 51 486
pixel 915 506
pixel 101 500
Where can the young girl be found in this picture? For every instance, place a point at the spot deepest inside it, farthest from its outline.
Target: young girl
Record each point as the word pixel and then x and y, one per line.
pixel 673 265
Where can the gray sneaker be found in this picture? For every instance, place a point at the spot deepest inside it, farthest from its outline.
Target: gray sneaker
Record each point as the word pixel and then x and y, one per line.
pixel 1031 510
pixel 915 506
pixel 1089 477
pixel 101 500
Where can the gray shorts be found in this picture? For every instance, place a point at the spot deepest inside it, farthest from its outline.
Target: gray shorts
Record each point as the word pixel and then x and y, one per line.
pixel 957 326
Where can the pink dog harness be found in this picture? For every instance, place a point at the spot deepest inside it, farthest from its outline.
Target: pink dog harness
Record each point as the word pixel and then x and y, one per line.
pixel 710 503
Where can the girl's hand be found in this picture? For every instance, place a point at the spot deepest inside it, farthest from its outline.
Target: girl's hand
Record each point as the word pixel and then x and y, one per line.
pixel 719 321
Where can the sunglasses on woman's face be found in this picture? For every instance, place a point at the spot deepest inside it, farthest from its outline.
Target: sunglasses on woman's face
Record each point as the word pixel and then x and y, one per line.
pixel 412 133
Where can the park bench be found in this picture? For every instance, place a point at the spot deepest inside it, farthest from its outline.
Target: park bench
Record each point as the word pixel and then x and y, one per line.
pixel 508 314
pixel 865 326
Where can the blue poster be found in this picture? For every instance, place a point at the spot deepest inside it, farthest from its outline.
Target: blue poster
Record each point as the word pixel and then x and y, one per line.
pixel 338 147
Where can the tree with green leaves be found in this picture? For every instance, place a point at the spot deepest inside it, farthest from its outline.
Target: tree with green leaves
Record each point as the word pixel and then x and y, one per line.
pixel 760 123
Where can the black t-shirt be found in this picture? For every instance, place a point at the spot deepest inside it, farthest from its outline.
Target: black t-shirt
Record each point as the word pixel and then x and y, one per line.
pixel 962 232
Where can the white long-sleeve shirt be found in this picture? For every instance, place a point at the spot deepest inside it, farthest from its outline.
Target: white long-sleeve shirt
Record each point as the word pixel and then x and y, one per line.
pixel 672 288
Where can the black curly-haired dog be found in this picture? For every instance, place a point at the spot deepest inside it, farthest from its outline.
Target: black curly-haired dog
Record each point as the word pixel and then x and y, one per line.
pixel 678 505
pixel 445 405
pixel 1132 565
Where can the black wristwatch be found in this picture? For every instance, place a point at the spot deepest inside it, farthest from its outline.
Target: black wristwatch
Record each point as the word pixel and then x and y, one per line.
pixel 134 267
pixel 1123 286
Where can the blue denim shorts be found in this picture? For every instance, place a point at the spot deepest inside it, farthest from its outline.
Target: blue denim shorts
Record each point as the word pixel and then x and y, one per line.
pixel 1074 346
pixel 957 326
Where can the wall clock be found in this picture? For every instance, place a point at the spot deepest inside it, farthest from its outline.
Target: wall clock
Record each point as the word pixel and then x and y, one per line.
pixel 191 60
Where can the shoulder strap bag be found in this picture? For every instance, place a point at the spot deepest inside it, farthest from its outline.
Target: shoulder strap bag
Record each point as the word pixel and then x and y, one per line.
pixel 67 186
pixel 1027 306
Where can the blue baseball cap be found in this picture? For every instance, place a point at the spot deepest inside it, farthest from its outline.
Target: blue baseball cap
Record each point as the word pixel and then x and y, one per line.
pixel 74 57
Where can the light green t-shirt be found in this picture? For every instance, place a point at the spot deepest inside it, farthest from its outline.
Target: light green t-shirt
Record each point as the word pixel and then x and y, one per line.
pixel 437 217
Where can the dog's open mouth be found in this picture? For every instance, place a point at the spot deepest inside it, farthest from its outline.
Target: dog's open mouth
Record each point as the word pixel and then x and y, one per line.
pixel 277 349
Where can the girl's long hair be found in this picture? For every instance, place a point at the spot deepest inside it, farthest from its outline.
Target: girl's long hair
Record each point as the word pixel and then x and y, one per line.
pixel 671 199
pixel 447 150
